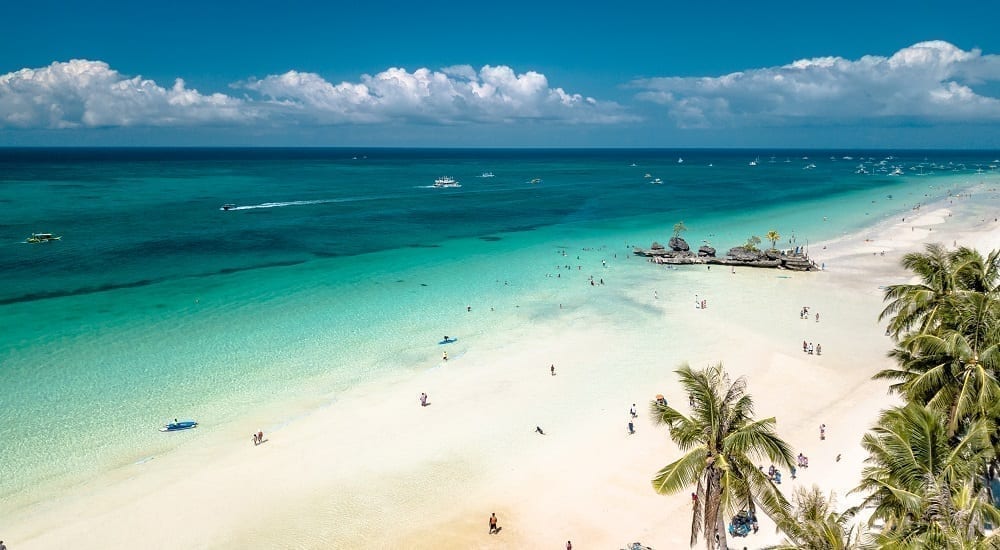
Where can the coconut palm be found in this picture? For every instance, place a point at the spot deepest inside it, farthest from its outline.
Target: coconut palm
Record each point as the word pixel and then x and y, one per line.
pixel 916 304
pixel 955 368
pixel 814 524
pixel 774 237
pixel 951 518
pixel 722 444
pixel 910 448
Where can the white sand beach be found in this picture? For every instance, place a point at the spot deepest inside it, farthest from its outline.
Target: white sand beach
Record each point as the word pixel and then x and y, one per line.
pixel 376 469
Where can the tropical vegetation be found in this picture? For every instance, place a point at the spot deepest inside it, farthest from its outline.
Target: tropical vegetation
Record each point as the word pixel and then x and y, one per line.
pixel 932 464
pixel 722 444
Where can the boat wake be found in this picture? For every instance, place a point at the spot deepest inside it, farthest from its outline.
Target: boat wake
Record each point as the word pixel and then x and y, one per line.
pixel 282 204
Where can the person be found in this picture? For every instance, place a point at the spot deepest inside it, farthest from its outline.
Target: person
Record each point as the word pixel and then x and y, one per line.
pixel 810 348
pixel 817 317
pixel 838 457
pixel 539 430
pixel 552 369
pixel 631 428
pixel 468 308
pixel 704 304
pixel 444 356
pixel 801 459
pixel 255 440
pixel 793 471
pixel 822 432
pixel 805 346
pixel 819 349
pixel 569 545
pixel 493 523
pixel 632 411
pixel 423 399
pixel 694 499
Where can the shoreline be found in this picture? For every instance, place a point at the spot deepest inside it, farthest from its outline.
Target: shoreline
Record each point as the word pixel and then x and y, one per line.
pixel 373 467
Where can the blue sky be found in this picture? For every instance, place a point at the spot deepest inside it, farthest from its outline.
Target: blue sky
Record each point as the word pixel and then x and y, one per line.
pixel 735 74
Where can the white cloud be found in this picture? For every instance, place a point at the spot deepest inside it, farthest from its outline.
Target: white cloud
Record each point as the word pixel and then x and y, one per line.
pixel 452 95
pixel 88 94
pixel 82 93
pixel 927 82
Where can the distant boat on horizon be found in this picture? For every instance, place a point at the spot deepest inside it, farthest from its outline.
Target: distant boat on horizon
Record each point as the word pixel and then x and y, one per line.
pixel 755 161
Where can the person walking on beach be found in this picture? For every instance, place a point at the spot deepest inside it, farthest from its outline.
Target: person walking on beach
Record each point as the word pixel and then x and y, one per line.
pixel 569 545
pixel 552 369
pixel 444 356
pixel 493 524
pixel 423 399
pixel 260 436
pixel 822 432
pixel 817 317
pixel 632 411
pixel 631 428
pixel 255 440
pixel 538 429
pixel 819 349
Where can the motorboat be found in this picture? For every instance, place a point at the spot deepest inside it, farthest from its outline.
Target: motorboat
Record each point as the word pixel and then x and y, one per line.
pixel 535 180
pixel 647 175
pixel 680 160
pixel 36 238
pixel 657 181
pixel 486 175
pixel 178 425
pixel 446 181
pixel 227 207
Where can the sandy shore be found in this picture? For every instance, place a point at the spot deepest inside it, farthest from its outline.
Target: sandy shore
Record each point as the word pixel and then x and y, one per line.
pixel 375 468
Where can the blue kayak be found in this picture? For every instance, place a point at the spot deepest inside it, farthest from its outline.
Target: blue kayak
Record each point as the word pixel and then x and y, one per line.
pixel 448 341
pixel 178 426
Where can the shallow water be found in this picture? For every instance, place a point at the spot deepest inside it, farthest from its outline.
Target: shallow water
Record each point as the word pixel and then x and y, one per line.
pixel 335 270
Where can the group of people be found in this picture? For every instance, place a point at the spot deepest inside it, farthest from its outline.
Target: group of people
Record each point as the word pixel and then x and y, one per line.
pixel 804 313
pixel 423 399
pixel 773 474
pixel 803 461
pixel 743 523
pixel 258 437
pixel 807 347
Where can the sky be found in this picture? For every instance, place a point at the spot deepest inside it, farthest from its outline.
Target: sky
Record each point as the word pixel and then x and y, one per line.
pixel 887 74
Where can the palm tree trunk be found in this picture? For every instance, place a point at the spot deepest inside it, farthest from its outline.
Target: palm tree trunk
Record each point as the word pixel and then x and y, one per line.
pixel 720 525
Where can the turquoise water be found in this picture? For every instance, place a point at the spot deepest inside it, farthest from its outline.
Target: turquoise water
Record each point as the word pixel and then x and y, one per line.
pixel 338 267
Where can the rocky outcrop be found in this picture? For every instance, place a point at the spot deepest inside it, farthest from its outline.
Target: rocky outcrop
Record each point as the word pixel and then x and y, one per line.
pixel 736 256
pixel 678 244
pixel 742 254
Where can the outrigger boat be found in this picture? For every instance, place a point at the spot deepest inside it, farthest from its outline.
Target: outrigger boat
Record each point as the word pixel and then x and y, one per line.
pixel 177 426
pixel 42 238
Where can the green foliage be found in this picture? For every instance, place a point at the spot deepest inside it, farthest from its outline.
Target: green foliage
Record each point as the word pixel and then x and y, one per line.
pixel 722 444
pixel 679 228
pixel 751 244
pixel 773 236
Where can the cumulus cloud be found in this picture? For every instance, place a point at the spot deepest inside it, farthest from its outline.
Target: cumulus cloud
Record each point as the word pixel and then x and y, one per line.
pixel 89 94
pixel 454 94
pixel 928 82
pixel 82 93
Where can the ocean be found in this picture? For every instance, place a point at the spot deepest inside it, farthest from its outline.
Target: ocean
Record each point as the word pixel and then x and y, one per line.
pixel 339 267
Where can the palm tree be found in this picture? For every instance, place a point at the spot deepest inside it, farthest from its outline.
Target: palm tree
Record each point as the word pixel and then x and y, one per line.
pixel 909 449
pixel 814 524
pixel 952 518
pixel 722 444
pixel 774 237
pixel 953 369
pixel 942 275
